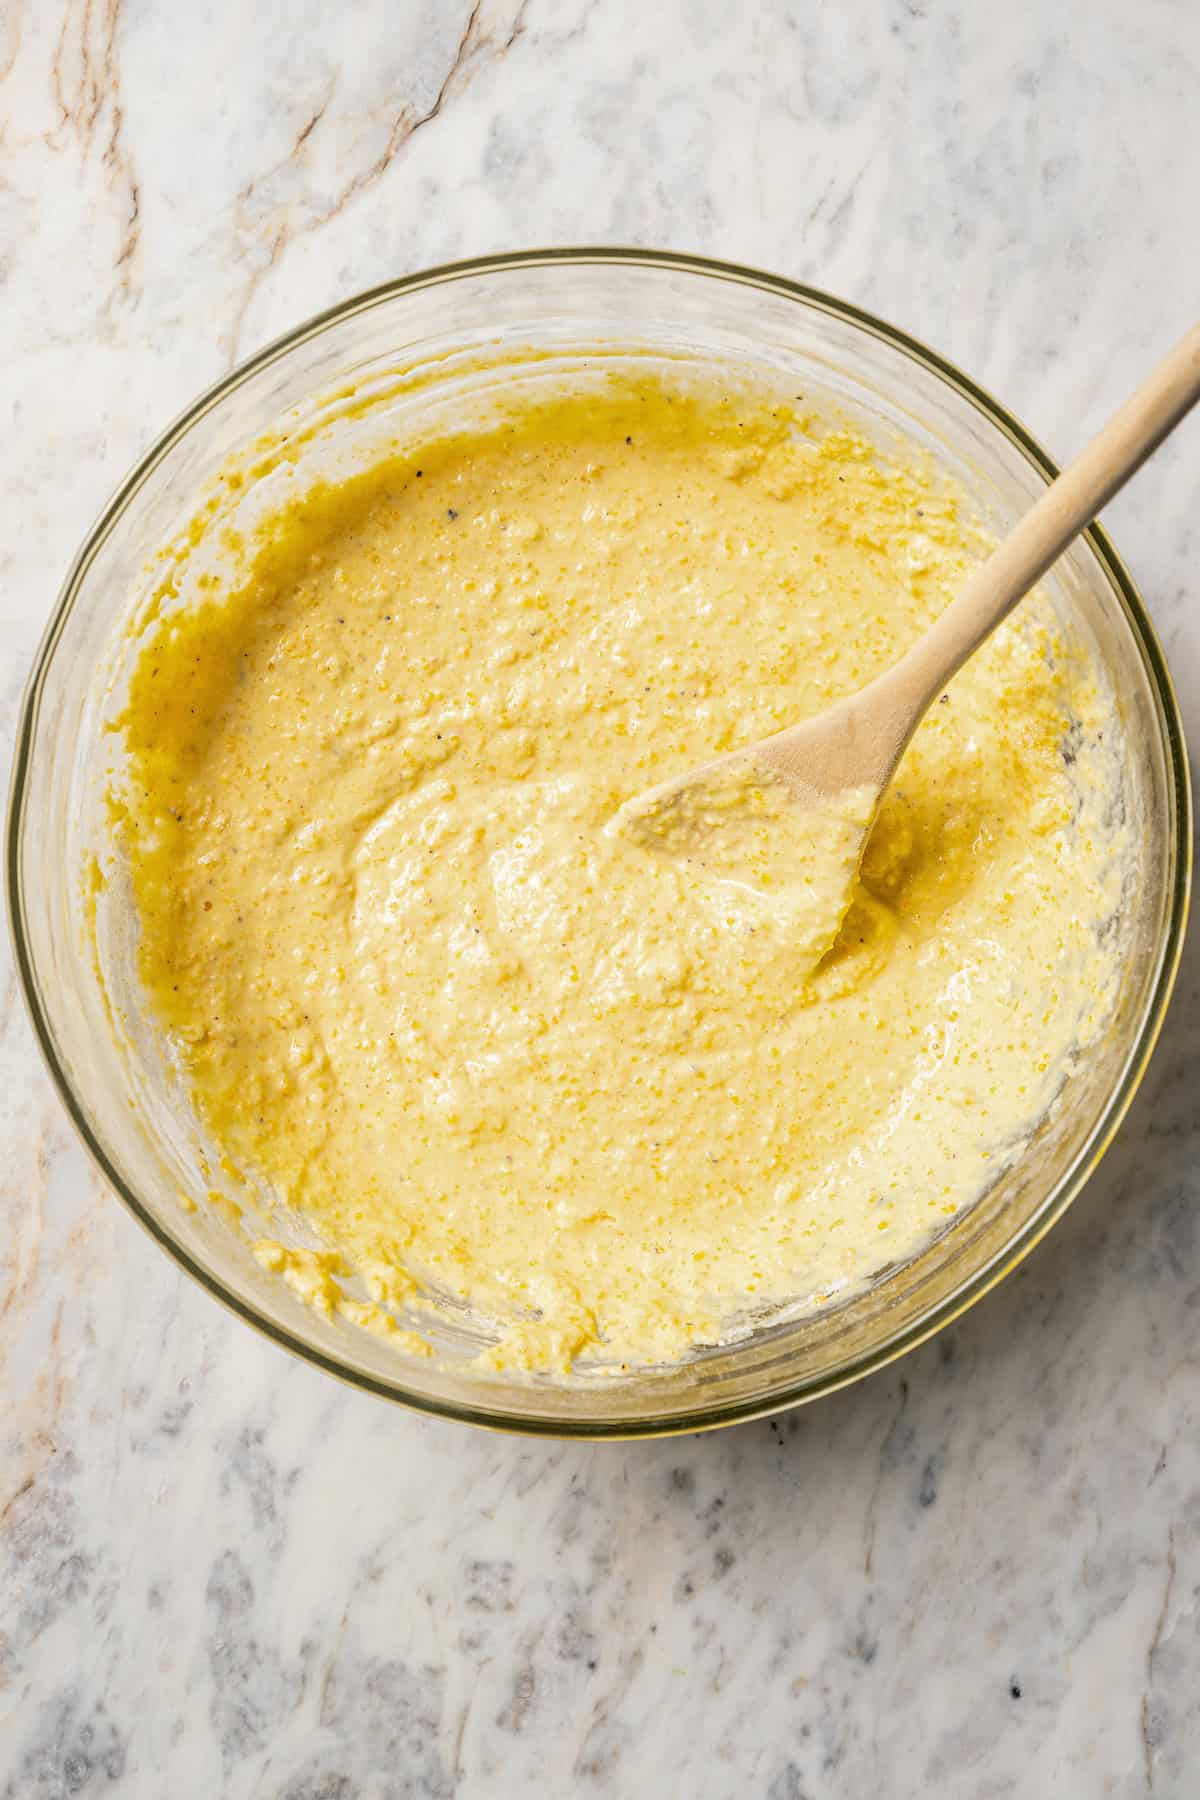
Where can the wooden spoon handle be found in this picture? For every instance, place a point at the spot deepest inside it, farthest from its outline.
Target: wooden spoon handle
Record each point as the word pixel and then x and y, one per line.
pixel 1068 504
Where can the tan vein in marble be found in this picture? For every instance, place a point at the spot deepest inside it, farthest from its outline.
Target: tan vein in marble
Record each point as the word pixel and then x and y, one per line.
pixel 25 1206
pixel 86 79
pixel 475 41
pixel 10 18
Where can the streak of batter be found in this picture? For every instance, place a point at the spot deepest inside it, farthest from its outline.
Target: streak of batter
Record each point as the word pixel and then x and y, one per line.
pixel 483 1043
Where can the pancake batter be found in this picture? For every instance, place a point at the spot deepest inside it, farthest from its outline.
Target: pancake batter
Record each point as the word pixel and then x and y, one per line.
pixel 485 1043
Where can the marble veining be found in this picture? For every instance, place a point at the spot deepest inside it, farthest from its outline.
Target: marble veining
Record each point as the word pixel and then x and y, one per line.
pixel 220 1572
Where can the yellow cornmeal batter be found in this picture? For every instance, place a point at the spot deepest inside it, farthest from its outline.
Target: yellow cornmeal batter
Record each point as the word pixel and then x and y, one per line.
pixel 486 1044
pixel 787 849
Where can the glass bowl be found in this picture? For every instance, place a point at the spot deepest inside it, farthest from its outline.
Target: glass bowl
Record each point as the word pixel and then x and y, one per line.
pixel 400 356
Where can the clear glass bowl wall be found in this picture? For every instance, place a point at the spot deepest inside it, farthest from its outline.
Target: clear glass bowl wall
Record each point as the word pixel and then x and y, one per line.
pixel 388 364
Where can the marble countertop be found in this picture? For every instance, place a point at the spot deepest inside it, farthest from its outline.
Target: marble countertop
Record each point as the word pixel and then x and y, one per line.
pixel 221 1573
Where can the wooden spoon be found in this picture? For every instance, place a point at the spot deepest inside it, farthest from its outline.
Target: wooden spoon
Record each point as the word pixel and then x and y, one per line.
pixel 789 815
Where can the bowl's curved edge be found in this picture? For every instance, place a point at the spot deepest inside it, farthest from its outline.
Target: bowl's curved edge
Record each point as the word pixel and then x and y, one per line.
pixel 701 1419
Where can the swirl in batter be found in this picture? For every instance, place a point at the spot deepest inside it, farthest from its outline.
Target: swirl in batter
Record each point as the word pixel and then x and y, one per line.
pixel 482 1043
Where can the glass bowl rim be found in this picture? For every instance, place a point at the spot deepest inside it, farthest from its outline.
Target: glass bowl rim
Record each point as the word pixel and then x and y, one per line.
pixel 1105 1126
